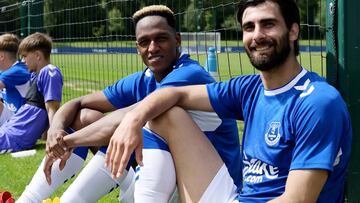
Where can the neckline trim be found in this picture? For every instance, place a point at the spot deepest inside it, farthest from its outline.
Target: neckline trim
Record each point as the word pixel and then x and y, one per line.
pixel 286 87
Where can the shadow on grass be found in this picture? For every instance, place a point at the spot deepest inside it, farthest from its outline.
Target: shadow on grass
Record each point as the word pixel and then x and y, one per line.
pixel 40 145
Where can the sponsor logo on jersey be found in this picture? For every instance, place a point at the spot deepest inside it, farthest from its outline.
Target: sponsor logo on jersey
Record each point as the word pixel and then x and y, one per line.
pixel 272 135
pixel 256 170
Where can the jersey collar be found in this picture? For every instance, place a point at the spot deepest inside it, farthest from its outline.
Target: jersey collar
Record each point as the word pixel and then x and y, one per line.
pixel 286 87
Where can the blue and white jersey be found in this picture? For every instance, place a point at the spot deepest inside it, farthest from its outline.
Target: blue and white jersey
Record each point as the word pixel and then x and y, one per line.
pixel 223 133
pixel 17 82
pixel 302 125
pixel 26 126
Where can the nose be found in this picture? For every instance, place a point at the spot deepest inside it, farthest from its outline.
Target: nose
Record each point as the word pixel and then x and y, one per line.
pixel 153 46
pixel 259 34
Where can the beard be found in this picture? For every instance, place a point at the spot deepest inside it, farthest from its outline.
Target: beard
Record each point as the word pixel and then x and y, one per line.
pixel 276 57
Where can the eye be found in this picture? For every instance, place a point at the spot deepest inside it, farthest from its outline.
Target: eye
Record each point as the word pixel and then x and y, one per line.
pixel 268 24
pixel 248 27
pixel 162 39
pixel 144 43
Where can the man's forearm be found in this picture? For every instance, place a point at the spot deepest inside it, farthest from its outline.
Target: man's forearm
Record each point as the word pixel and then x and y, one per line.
pixel 65 115
pixel 97 133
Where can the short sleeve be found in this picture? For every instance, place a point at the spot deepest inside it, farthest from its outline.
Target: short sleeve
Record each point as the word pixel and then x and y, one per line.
pixel 230 98
pixel 319 127
pixel 50 83
pixel 123 92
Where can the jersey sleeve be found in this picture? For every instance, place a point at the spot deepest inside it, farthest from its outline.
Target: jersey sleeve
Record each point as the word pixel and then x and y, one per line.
pixel 229 99
pixel 50 83
pixel 14 76
pixel 319 126
pixel 122 93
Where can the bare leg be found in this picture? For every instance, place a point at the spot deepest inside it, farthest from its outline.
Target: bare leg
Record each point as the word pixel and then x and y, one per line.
pixel 196 160
pixel 84 118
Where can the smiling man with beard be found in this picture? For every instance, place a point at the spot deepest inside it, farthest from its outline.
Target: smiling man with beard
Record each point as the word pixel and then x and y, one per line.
pixel 297 129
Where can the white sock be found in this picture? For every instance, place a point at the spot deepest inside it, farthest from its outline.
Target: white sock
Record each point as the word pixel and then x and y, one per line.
pixel 38 189
pixel 95 181
pixel 155 182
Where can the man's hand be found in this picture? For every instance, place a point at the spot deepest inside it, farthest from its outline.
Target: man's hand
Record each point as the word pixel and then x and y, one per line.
pixel 126 138
pixel 49 161
pixel 55 145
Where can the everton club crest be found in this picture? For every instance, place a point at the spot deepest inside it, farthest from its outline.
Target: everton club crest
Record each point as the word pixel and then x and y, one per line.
pixel 272 135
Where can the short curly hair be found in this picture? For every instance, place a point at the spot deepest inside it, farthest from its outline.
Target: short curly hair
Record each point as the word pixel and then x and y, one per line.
pixel 155 10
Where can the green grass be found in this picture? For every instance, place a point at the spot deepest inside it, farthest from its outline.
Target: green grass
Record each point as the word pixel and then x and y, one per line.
pixel 85 73
pixel 16 173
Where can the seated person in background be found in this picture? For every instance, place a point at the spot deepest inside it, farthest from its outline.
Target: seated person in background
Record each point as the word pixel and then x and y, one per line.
pixel 158 43
pixel 297 129
pixel 14 77
pixel 43 98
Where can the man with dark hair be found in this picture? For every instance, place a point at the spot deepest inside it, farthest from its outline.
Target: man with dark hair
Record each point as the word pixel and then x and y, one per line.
pixel 158 43
pixel 297 129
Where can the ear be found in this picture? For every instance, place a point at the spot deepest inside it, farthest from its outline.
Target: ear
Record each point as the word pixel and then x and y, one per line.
pixel 294 32
pixel 137 47
pixel 38 55
pixel 178 39
pixel 2 55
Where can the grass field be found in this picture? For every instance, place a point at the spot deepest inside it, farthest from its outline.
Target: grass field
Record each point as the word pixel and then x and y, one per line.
pixel 85 73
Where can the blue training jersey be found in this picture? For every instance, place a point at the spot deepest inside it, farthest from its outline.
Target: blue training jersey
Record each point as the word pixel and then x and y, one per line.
pixel 302 125
pixel 26 126
pixel 222 134
pixel 17 82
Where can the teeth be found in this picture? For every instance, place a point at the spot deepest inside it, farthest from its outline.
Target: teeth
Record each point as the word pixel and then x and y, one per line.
pixel 262 48
pixel 155 58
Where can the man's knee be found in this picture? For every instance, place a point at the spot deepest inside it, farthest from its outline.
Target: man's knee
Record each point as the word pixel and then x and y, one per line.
pixel 168 121
pixel 86 117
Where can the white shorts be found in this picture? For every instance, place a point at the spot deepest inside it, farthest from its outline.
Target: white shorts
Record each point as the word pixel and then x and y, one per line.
pixel 221 189
pixel 6 114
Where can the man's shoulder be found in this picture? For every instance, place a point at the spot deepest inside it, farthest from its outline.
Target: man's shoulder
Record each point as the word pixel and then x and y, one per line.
pixel 314 89
pixel 50 70
pixel 17 68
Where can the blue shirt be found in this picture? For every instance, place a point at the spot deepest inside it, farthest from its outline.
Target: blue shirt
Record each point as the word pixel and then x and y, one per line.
pixel 137 86
pixel 302 125
pixel 17 82
pixel 26 126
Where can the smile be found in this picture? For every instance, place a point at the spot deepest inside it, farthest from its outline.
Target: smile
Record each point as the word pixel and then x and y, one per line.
pixel 155 58
pixel 261 48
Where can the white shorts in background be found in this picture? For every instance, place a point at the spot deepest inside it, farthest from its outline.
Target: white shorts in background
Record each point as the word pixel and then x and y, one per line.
pixel 221 189
pixel 6 114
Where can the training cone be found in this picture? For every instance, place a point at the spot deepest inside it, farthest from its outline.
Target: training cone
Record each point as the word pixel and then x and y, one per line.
pixel 5 197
